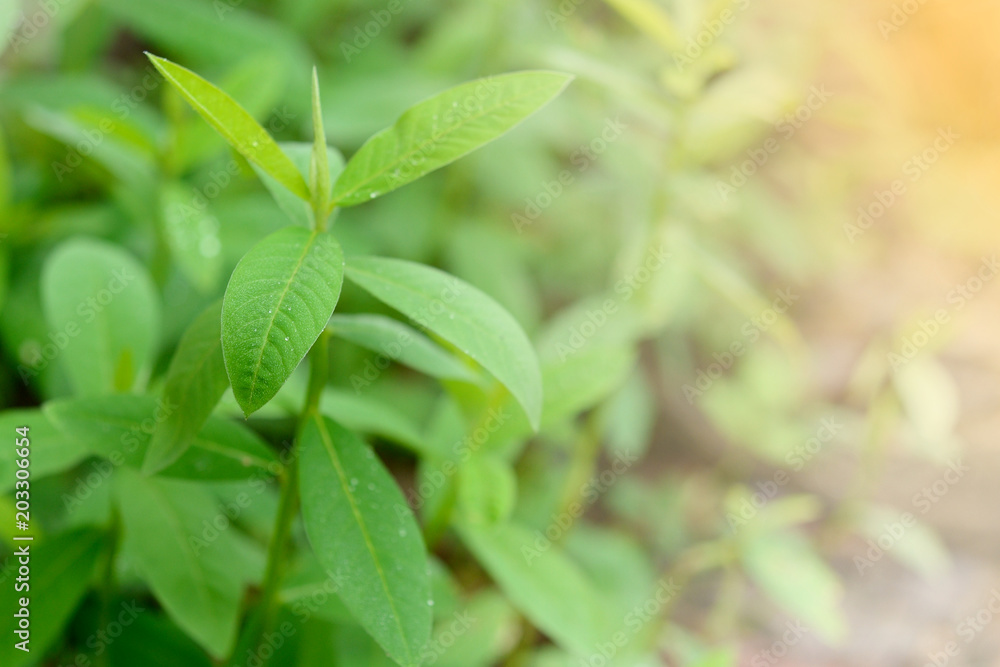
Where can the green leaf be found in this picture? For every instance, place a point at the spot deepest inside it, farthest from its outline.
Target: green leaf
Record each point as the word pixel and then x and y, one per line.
pixel 103 315
pixel 487 489
pixel 319 172
pixel 278 301
pixel 152 641
pixel 365 414
pixel 234 123
pixel 364 534
pixel 192 234
pixel 462 315
pixel 119 428
pixel 401 343
pixel 541 582
pixel 195 382
pixel 572 385
pixel 61 570
pixel 442 129
pixel 51 451
pixel 789 571
pixel 196 584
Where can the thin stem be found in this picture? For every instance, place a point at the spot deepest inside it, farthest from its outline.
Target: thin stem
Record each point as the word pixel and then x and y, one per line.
pixel 288 508
pixel 108 578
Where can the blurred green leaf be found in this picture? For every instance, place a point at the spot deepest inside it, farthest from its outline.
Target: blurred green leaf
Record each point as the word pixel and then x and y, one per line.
pixel 487 489
pixel 194 384
pixel 61 571
pixel 788 570
pixel 103 314
pixel 197 584
pixel 119 428
pixel 541 582
pixel 192 234
pixel 51 451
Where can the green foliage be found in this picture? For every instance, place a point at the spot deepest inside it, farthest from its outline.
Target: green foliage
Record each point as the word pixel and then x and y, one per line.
pixel 450 480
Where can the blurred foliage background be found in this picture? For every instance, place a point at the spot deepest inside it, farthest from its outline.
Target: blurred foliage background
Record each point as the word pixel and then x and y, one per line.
pixel 753 244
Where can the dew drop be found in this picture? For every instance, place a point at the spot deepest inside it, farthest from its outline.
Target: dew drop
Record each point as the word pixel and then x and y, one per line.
pixel 286 338
pixel 430 603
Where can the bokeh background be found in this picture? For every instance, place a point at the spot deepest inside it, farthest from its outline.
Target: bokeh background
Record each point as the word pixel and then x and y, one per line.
pixel 792 206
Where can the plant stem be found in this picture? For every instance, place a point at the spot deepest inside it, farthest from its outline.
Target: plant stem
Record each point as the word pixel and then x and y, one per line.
pixel 288 508
pixel 108 577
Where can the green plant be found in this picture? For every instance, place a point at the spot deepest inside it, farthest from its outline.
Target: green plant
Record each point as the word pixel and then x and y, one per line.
pixel 276 312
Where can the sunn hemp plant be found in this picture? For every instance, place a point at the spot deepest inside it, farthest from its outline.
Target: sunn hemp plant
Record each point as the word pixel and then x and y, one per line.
pixel 277 310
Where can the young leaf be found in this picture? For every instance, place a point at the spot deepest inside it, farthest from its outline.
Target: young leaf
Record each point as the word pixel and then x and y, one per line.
pixel 364 534
pixel 119 427
pixel 61 570
pixel 299 211
pixel 197 585
pixel 278 301
pixel 234 123
pixel 400 343
pixel 195 382
pixel 319 171
pixel 442 129
pixel 460 314
pixel 103 314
